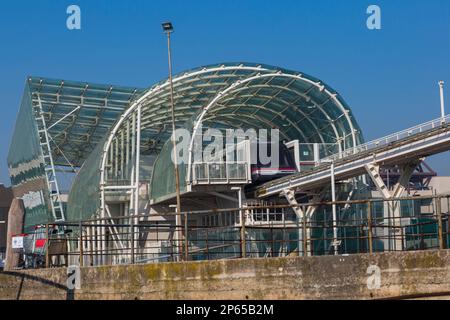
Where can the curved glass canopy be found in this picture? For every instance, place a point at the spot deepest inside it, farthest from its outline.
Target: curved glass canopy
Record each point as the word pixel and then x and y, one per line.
pixel 261 96
pixel 229 95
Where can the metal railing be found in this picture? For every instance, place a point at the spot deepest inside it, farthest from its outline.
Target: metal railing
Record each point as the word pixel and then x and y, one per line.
pixel 364 226
pixel 395 137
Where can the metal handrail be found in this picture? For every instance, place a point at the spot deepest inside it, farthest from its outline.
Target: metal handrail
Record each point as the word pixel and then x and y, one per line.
pixel 421 128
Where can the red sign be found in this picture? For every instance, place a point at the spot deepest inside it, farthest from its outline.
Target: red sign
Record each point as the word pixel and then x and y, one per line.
pixel 40 243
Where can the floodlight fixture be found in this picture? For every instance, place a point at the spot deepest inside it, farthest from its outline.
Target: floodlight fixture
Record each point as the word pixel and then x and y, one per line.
pixel 167 27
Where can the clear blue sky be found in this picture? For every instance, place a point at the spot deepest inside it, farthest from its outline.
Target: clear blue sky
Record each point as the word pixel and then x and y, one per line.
pixel 389 77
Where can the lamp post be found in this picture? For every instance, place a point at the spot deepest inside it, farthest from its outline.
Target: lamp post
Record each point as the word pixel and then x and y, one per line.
pixel 333 200
pixel 178 234
pixel 441 93
pixel 168 30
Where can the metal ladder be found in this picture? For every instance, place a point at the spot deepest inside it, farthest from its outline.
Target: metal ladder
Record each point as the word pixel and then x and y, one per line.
pixel 50 172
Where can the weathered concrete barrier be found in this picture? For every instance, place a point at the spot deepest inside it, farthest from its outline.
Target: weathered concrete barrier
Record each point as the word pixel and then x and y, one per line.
pixel 343 277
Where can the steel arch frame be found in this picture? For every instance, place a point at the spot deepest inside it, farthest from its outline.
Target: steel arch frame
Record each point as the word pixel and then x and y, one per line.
pixel 239 83
pixel 262 72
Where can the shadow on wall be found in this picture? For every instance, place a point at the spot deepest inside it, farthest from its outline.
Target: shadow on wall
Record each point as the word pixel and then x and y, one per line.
pixel 70 295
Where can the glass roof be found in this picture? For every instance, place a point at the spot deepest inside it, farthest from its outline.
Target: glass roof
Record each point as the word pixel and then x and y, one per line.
pixel 301 106
pixel 229 95
pixel 81 116
pixel 78 115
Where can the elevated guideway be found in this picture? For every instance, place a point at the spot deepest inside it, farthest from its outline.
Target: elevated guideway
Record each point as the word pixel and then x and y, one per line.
pixel 404 148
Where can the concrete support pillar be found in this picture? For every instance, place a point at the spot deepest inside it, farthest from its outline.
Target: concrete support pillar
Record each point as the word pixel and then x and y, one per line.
pixel 15 226
pixel 304 216
pixel 392 206
pixel 303 245
pixel 374 172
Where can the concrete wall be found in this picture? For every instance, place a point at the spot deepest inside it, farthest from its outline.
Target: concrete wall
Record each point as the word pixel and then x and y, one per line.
pixel 16 217
pixel 6 197
pixel 413 273
pixel 440 184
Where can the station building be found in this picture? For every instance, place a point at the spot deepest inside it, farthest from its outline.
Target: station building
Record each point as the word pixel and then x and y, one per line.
pixel 114 142
pixel 85 151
